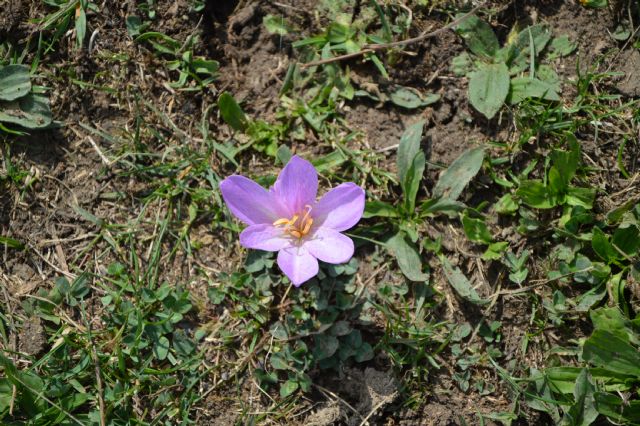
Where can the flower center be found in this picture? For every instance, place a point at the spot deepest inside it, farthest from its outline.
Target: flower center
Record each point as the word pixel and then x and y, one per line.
pixel 299 225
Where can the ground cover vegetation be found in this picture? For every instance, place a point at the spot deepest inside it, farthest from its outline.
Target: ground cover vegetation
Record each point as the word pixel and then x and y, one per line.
pixel 496 273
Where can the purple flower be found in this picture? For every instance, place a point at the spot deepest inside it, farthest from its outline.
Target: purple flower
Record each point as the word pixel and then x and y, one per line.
pixel 287 218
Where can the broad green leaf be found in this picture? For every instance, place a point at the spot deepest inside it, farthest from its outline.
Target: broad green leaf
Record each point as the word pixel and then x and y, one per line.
pixel 134 25
pixel 339 33
pixel 526 51
pixel 30 111
pixel 15 82
pixel 205 66
pixel 161 348
pixel 610 351
pixel 411 182
pixel 488 88
pixel 460 283
pixel 454 179
pixel 325 346
pixel 495 251
pixel 288 387
pixel 616 409
pixel 410 98
pixel 567 162
pixel 601 245
pixel 582 197
pixel 283 154
pixel 462 64
pixel 409 147
pixel 379 209
pixel 615 216
pixel 627 240
pixel 407 255
pixel 275 25
pixel 563 379
pixel 476 230
pixel 614 321
pixel 525 87
pixel 231 112
pixel 562 46
pixel 533 193
pixel 329 161
pixel 478 36
pixel 557 185
pixel 441 205
pixel 583 411
pixel 506 205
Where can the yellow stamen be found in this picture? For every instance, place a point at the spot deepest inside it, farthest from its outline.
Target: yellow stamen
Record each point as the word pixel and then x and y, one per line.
pixel 294 227
pixel 307 226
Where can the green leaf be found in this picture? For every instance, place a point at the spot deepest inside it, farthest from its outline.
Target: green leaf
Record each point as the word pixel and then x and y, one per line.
pixel 182 343
pixel 15 82
pixel 408 148
pixel 561 46
pixel 526 87
pixel 411 182
pixel 618 410
pixel 407 256
pixel 134 25
pixel 612 352
pixel 476 230
pixel 506 205
pixel 454 179
pixel 441 205
pixel 275 25
pixel 283 154
pixel 81 25
pixel 11 243
pixel 583 411
pixel 535 194
pixel 478 36
pixel 594 4
pixel 364 353
pixel 488 88
pixel 330 161
pixel 615 215
pixel 462 64
pixel 288 387
pixel 495 251
pixel 410 98
pixel 567 162
pixel 460 283
pixel 627 240
pixel 582 197
pixel 30 111
pixel 377 208
pixel 161 348
pixel 614 321
pixel 326 346
pixel 601 245
pixel 525 51
pixel 231 112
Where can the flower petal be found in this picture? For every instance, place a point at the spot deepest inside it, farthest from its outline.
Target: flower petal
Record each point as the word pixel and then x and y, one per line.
pixel 330 246
pixel 297 264
pixel 248 201
pixel 264 237
pixel 297 185
pixel 341 208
